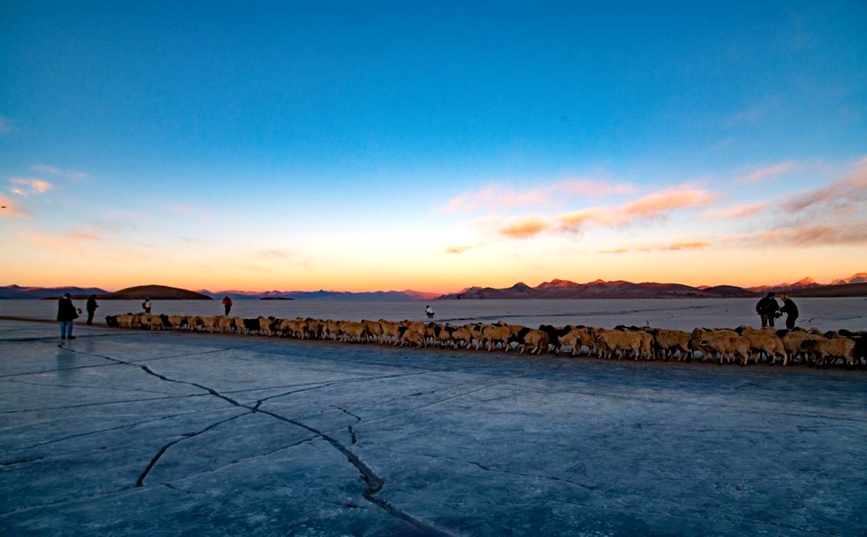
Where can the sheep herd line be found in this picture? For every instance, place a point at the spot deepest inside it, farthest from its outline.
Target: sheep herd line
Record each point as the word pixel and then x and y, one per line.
pixel 743 345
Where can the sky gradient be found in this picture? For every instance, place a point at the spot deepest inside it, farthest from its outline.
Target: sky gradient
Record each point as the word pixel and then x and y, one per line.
pixel 361 146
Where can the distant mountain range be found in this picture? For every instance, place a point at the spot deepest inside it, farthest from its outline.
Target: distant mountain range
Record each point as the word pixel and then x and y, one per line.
pixel 322 294
pixel 855 285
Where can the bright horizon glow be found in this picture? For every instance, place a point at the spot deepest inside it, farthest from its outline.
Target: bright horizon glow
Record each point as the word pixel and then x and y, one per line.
pixel 391 146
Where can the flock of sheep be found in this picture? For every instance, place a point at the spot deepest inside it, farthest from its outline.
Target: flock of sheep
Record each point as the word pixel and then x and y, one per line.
pixel 743 345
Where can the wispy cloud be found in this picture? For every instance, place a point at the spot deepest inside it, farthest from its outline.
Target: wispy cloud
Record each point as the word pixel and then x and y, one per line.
pixel 672 246
pixel 5 127
pixel 655 206
pixel 842 194
pixel 497 196
pixel 523 229
pixel 84 235
pixel 846 234
pixel 687 245
pixel 25 186
pixel 736 211
pixel 73 175
pixel 458 249
pixel 766 172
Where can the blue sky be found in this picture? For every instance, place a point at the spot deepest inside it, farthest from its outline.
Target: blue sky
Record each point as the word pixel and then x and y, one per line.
pixel 431 145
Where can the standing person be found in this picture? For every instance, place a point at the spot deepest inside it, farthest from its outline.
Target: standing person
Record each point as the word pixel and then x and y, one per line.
pixel 227 304
pixel 791 311
pixel 91 308
pixel 429 312
pixel 66 313
pixel 146 305
pixel 767 309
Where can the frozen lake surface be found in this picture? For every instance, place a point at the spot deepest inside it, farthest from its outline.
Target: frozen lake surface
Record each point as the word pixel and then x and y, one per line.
pixel 139 433
pixel 681 314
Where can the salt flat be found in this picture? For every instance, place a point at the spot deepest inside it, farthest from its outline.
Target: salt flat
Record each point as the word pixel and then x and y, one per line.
pixel 138 433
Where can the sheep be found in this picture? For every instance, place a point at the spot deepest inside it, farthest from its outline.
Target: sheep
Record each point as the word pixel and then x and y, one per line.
pixel 611 342
pixel 766 341
pixel 374 330
pixel 493 334
pixel 723 341
pixel 667 342
pixel 390 332
pixel 577 338
pixel 353 332
pixel 535 340
pixel 828 350
pixel 554 334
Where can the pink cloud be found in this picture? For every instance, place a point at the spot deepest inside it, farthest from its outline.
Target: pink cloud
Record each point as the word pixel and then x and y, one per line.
pixel 849 191
pixel 687 245
pixel 74 175
pixel 499 196
pixel 652 206
pixel 737 211
pixel 849 234
pixel 760 174
pixel 658 204
pixel 529 227
pixel 458 249
pixel 28 186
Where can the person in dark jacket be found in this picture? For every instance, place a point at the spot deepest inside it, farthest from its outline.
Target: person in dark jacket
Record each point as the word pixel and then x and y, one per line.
pixel 91 308
pixel 767 309
pixel 66 313
pixel 791 311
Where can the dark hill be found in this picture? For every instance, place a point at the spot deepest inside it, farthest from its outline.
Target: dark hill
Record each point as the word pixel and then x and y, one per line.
pixel 155 292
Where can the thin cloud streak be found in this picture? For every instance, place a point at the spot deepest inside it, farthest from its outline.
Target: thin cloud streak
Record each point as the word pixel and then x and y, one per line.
pixel 656 206
pixel 767 172
pixel 502 197
pixel 73 175
pixel 25 186
pixel 849 191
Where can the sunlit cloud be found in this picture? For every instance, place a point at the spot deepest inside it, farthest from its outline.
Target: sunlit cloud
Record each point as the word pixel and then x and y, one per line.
pixel 200 215
pixel 659 204
pixel 73 175
pixel 849 191
pixel 848 234
pixel 656 206
pixel 673 246
pixel 525 228
pixel 736 211
pixel 766 172
pixel 494 197
pixel 687 245
pixel 10 209
pixel 458 249
pixel 83 235
pixel 29 186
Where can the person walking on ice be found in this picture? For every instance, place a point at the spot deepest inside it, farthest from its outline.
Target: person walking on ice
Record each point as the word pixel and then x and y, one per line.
pixel 91 308
pixel 227 305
